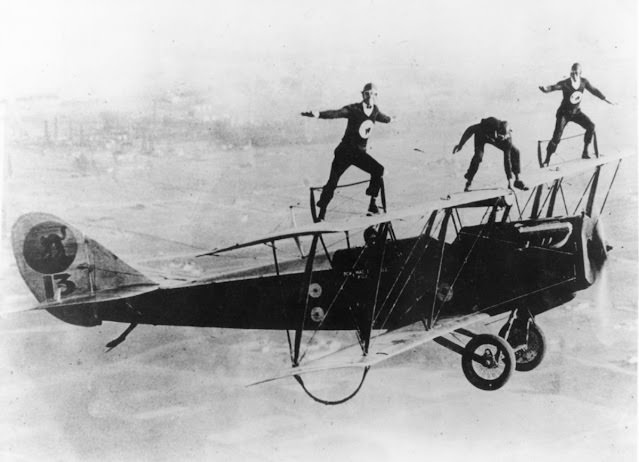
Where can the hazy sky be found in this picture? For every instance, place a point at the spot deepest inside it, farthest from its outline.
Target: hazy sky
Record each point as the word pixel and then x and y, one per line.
pixel 321 51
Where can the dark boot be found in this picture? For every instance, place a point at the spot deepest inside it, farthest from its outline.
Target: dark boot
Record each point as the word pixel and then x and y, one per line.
pixel 468 182
pixel 321 214
pixel 372 208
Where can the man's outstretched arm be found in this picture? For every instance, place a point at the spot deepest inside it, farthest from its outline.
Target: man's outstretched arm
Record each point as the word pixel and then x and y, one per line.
pixel 595 91
pixel 470 131
pixel 549 88
pixel 331 114
pixel 383 118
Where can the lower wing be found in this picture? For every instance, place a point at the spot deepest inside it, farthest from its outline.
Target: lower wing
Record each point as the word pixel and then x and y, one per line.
pixel 382 347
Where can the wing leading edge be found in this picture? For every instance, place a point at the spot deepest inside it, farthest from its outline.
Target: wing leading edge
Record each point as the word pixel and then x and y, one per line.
pixel 570 168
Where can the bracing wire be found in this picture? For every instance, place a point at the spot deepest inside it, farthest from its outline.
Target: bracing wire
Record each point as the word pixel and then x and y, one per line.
pixel 404 265
pixel 409 277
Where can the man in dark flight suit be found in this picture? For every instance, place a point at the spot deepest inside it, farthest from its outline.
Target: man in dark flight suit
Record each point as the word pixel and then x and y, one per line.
pixel 496 132
pixel 569 111
pixel 352 149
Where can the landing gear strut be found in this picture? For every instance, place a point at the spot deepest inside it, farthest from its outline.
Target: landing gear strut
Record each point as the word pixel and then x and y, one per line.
pixel 527 340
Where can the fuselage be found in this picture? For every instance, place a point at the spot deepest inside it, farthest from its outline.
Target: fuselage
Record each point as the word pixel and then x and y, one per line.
pixel 495 267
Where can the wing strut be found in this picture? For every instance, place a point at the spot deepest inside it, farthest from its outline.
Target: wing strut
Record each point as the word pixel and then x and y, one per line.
pixel 582 195
pixel 442 240
pixel 277 272
pixel 610 187
pixel 304 296
pixel 563 198
pixel 593 191
pixel 535 207
pixel 381 241
pixel 553 196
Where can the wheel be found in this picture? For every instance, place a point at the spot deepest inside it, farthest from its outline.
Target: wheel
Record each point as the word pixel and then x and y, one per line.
pixel 487 361
pixel 528 342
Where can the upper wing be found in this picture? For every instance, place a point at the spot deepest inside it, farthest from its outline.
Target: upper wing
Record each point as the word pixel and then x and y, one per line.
pixel 360 222
pixel 382 347
pixel 465 199
pixel 570 168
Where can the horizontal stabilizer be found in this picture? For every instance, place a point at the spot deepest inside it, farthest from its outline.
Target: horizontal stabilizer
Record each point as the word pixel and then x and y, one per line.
pixel 382 347
pixel 98 297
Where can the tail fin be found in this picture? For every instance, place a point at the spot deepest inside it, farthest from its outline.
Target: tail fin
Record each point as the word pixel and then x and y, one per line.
pixel 61 266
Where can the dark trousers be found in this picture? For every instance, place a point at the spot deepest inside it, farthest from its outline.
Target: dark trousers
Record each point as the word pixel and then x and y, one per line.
pixel 511 157
pixel 562 119
pixel 345 156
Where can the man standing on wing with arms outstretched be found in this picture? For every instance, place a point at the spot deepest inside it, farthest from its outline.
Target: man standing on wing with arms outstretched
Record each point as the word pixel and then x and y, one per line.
pixel 569 111
pixel 352 149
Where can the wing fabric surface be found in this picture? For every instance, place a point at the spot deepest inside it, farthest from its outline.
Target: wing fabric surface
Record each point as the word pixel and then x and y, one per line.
pixel 382 347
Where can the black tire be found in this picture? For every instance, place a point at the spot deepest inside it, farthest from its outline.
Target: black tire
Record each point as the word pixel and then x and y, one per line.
pixel 533 351
pixel 491 367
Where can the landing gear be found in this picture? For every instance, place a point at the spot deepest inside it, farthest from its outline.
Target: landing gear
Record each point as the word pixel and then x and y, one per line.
pixel 487 361
pixel 527 340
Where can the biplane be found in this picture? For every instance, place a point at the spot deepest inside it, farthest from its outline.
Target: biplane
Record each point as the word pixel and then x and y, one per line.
pixel 516 259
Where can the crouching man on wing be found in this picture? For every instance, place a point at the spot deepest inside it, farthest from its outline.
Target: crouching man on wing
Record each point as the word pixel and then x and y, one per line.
pixel 352 149
pixel 496 132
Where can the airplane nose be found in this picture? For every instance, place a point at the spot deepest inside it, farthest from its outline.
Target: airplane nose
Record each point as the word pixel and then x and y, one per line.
pixel 597 248
pixel 594 249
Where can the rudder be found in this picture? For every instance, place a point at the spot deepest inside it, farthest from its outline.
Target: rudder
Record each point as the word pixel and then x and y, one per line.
pixel 60 264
